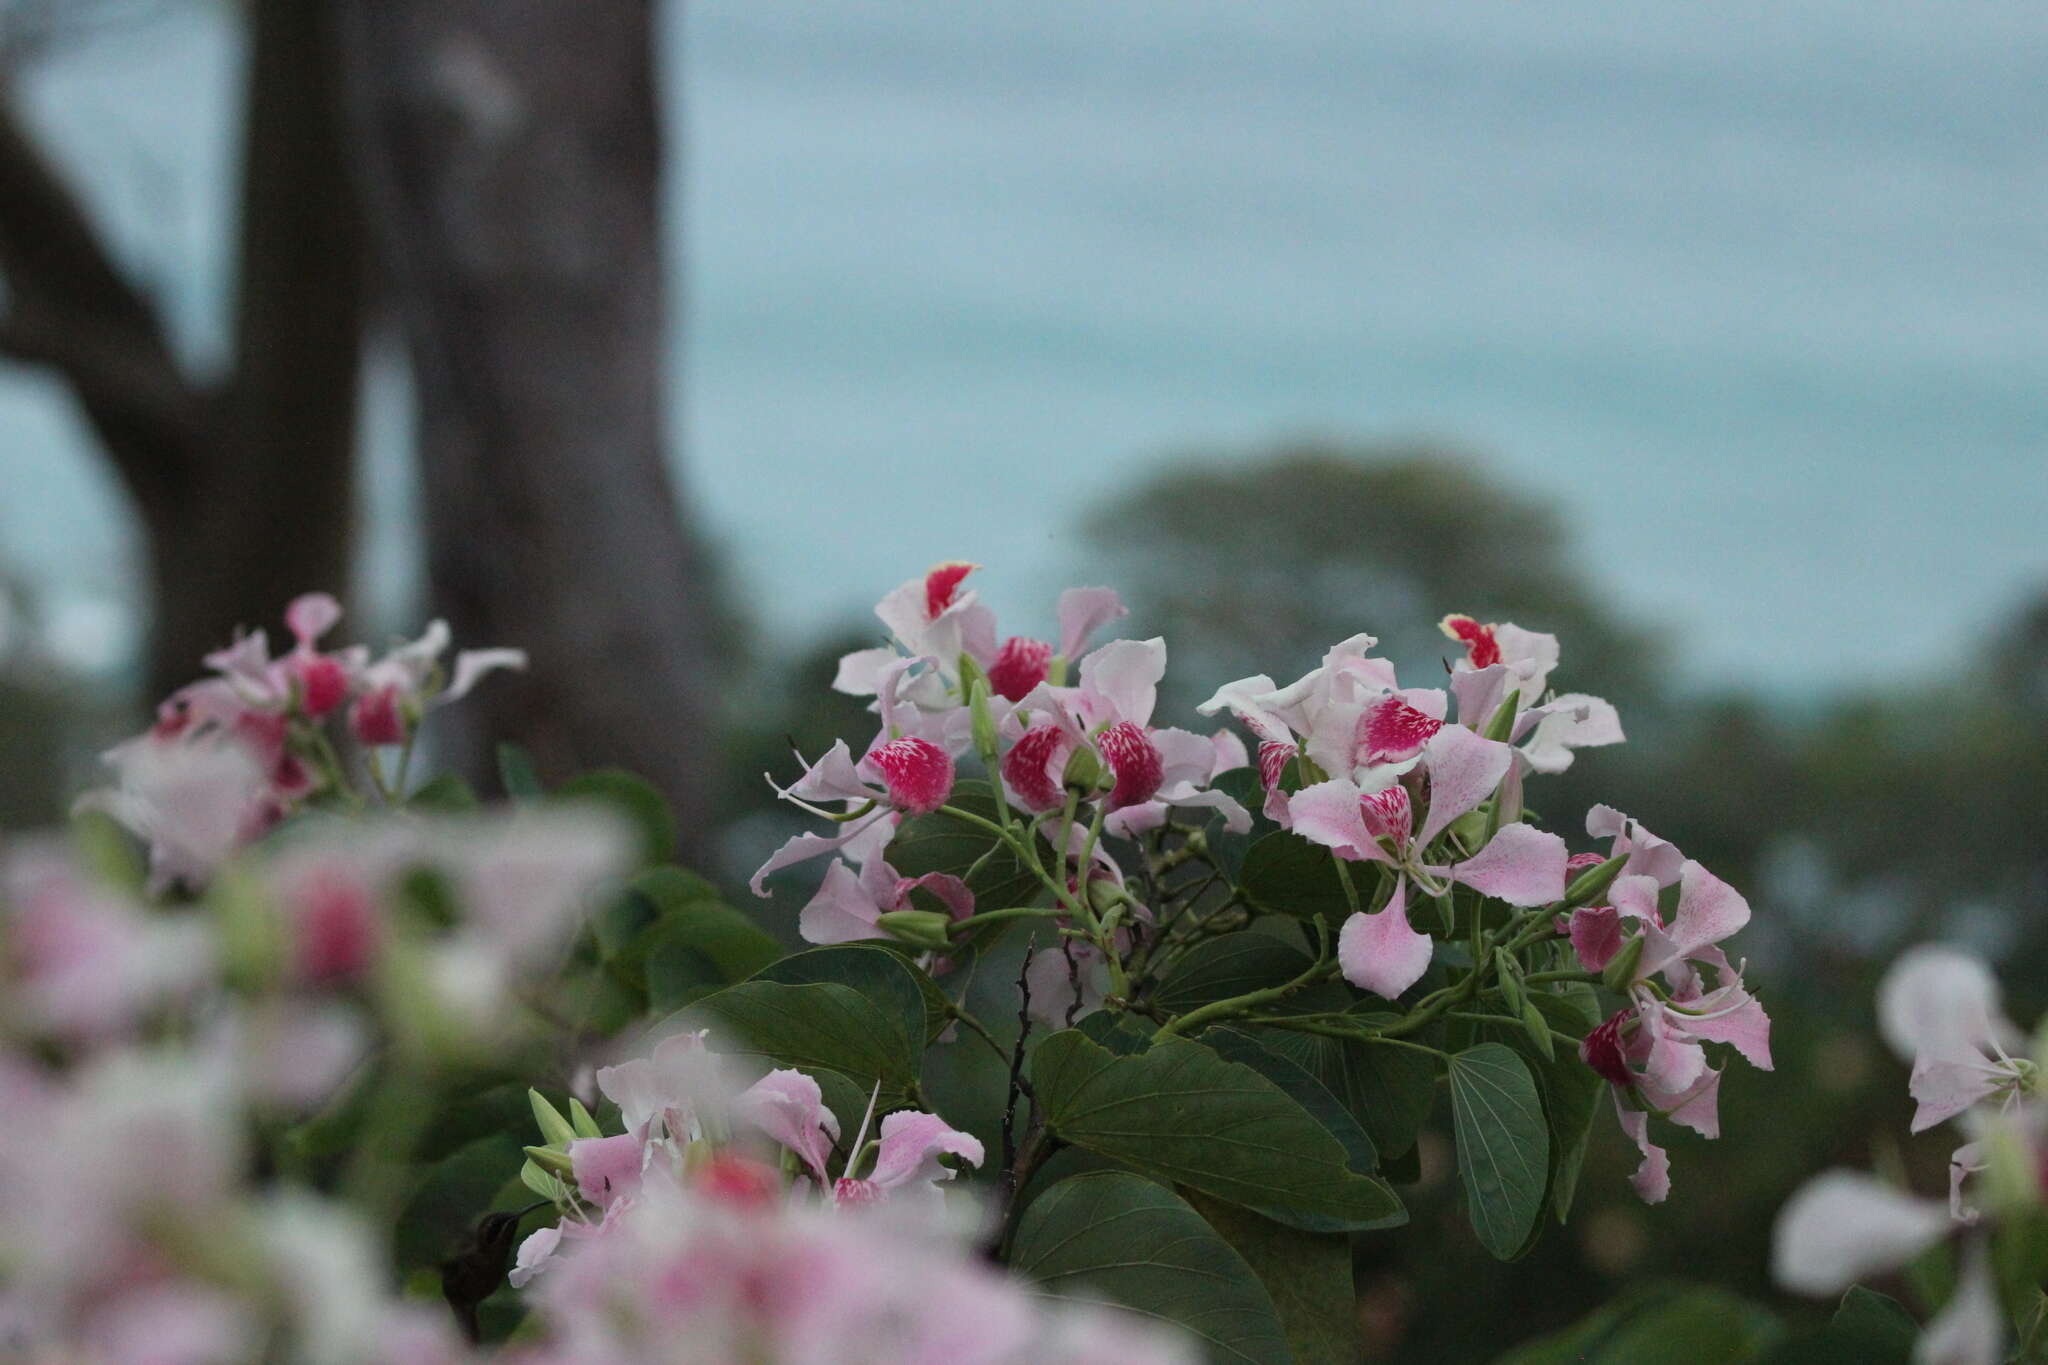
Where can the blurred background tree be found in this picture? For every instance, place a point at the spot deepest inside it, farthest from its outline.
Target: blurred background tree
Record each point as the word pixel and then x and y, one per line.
pixel 1257 561
pixel 491 174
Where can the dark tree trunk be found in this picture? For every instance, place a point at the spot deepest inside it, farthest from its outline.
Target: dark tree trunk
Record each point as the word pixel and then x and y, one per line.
pixel 244 489
pixel 272 511
pixel 513 163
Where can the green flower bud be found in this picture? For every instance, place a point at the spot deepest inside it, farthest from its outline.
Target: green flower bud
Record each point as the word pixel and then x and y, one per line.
pixel 984 722
pixel 1592 884
pixel 924 928
pixel 580 1119
pixel 1621 970
pixel 1510 973
pixel 1503 723
pixel 552 1161
pixel 1084 771
pixel 1539 1029
pixel 558 1131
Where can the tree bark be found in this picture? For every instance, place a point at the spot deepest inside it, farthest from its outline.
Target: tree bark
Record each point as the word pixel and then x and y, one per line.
pixel 244 488
pixel 514 166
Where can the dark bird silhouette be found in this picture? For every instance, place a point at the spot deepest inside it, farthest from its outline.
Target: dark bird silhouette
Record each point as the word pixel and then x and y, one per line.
pixel 473 1275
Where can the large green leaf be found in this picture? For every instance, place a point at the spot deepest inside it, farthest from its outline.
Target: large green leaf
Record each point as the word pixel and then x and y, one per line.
pixel 1662 1325
pixel 1287 875
pixel 1230 964
pixel 1307 1274
pixel 815 1025
pixel 1389 1090
pixel 1503 1144
pixel 1569 1089
pixel 1315 1097
pixel 1117 1236
pixel 887 978
pixel 1183 1113
pixel 945 843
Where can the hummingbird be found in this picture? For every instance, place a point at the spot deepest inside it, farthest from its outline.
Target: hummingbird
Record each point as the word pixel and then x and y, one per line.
pixel 474 1274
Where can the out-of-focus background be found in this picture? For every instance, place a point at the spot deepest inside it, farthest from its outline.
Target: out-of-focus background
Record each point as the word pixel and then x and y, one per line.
pixel 661 340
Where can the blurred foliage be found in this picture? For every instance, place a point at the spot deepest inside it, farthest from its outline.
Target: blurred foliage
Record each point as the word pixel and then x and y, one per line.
pixel 1256 564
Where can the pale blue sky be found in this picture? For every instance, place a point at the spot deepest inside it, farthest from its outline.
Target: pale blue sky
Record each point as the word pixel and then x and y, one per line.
pixel 1759 291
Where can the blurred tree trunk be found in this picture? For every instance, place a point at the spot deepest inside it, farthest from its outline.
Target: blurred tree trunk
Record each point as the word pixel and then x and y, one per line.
pixel 513 173
pixel 243 486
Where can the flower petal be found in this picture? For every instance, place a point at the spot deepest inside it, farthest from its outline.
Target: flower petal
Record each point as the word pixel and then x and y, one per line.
pixel 1842 1226
pixel 1381 952
pixel 1521 865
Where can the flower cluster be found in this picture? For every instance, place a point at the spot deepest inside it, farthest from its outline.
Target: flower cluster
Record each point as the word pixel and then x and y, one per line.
pixel 1941 1012
pixel 686 1239
pixel 177 1043
pixel 232 754
pixel 1415 793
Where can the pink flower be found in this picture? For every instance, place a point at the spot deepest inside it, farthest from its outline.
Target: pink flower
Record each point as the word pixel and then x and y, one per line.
pixel 1520 865
pixel 907 1159
pixel 788 1106
pixel 1940 1010
pixel 1653 1050
pixel 849 904
pixel 1110 714
pixel 608 1169
pixel 396 691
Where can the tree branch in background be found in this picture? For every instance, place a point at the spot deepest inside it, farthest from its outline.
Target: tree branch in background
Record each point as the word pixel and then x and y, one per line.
pixel 72 309
pixel 244 491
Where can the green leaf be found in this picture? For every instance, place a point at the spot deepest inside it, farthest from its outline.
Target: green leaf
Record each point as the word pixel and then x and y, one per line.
pixel 944 843
pixel 1569 1089
pixel 449 1198
pixel 820 1025
pixel 1389 1090
pixel 1503 1144
pixel 635 799
pixel 1227 965
pixel 1183 1113
pixel 1285 874
pixel 887 978
pixel 697 947
pixel 1308 1276
pixel 517 773
pixel 1315 1097
pixel 1662 1325
pixel 1121 1237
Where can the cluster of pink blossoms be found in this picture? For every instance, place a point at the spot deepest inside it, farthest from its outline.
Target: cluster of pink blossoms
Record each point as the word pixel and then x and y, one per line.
pixel 685 1239
pixel 232 754
pixel 1383 775
pixel 157 1033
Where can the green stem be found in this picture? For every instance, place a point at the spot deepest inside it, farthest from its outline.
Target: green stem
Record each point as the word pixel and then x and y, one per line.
pixel 1243 1004
pixel 965 926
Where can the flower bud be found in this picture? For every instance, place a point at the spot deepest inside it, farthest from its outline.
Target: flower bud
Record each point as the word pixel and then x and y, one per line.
pixel 1084 771
pixel 580 1119
pixel 553 1162
pixel 1510 973
pixel 1621 968
pixel 1503 723
pixel 924 928
pixel 558 1131
pixel 984 722
pixel 1592 884
pixel 1539 1029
